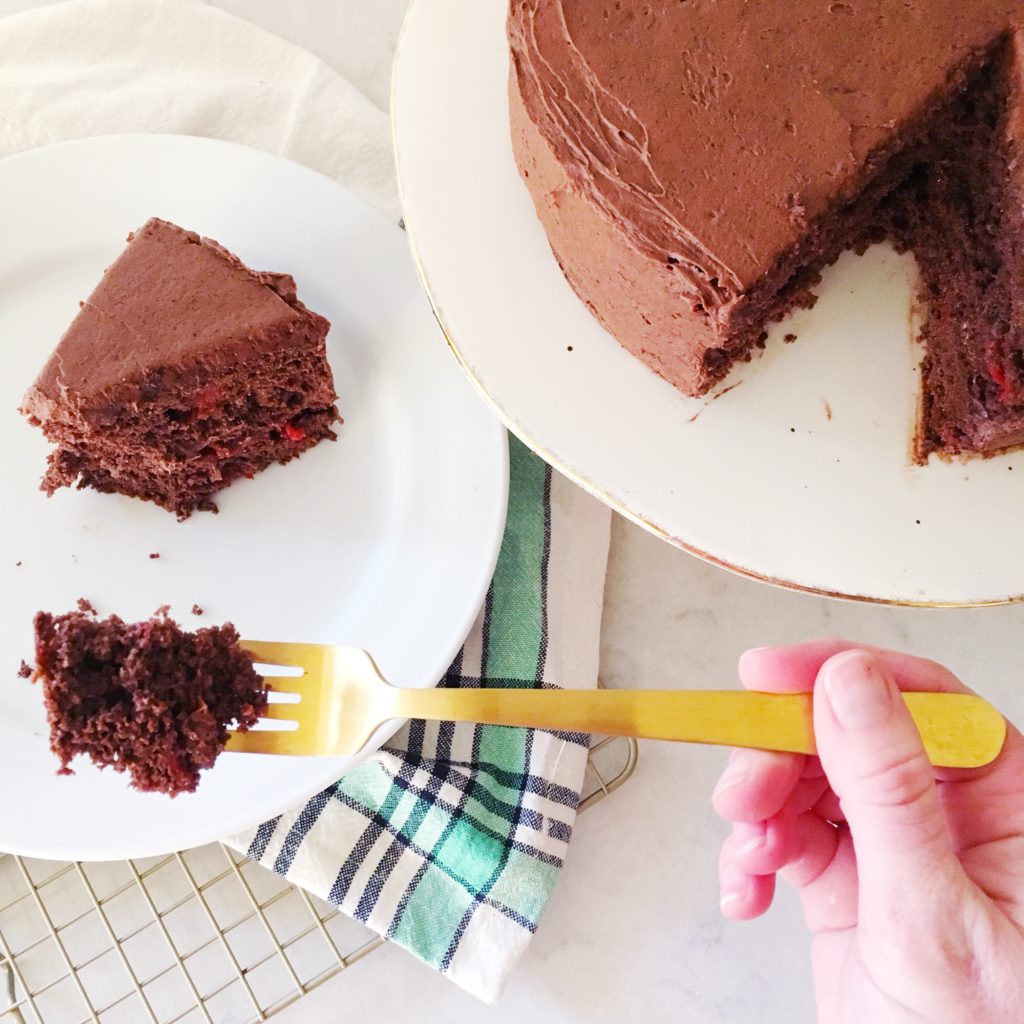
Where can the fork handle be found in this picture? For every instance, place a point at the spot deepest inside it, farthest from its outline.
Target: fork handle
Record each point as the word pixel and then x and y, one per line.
pixel 959 730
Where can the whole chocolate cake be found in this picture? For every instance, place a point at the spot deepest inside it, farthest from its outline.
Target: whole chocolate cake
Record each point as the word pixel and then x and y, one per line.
pixel 183 371
pixel 145 698
pixel 697 163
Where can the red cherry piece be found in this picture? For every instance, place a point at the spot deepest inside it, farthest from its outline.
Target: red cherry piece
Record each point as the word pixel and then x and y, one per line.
pixel 207 399
pixel 998 374
pixel 294 433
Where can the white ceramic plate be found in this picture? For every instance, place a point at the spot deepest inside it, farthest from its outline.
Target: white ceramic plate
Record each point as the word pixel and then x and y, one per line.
pixel 799 475
pixel 386 539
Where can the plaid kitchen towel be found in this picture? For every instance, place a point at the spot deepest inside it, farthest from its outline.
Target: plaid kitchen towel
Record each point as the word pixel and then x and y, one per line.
pixel 450 840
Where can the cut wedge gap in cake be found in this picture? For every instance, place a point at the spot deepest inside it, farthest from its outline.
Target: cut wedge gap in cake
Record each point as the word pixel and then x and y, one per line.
pixel 954 200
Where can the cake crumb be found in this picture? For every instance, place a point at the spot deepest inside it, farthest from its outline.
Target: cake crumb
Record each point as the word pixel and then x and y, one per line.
pixel 154 554
pixel 196 610
pixel 718 394
pixel 24 670
pixel 163 610
pixel 789 338
pixel 17 565
pixel 85 606
pixel 828 410
pixel 797 209
pixel 568 348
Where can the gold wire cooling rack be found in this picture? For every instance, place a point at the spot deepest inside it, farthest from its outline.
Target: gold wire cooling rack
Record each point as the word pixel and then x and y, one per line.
pixel 201 937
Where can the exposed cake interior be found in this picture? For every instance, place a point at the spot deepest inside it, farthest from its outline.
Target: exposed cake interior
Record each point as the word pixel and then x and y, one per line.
pixel 144 698
pixel 195 436
pixel 949 194
pixel 183 371
pixel 960 212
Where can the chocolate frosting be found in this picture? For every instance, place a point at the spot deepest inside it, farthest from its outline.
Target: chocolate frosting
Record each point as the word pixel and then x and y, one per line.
pixel 170 302
pixel 710 132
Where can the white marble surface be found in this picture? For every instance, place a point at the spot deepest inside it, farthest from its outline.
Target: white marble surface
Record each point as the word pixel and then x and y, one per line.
pixel 633 932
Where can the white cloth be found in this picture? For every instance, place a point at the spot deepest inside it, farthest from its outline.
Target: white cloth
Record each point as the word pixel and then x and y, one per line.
pixel 94 67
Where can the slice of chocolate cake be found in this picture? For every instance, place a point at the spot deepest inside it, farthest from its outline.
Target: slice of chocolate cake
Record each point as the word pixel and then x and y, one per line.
pixel 183 371
pixel 145 698
pixel 697 165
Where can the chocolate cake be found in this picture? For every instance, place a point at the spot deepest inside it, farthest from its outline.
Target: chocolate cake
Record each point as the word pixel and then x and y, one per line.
pixel 145 698
pixel 697 164
pixel 183 371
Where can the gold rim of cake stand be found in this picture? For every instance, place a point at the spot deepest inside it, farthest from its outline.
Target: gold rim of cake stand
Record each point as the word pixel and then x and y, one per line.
pixel 588 485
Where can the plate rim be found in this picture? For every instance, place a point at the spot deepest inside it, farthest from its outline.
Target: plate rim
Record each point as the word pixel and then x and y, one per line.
pixel 500 460
pixel 576 475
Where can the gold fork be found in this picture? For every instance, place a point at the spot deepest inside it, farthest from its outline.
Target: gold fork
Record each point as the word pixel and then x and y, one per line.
pixel 343 699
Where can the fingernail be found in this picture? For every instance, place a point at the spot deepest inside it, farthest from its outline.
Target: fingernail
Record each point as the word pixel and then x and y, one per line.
pixel 734 886
pixel 757 837
pixel 860 696
pixel 752 652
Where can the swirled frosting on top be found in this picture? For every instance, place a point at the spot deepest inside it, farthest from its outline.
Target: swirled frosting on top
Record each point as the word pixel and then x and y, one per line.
pixel 710 133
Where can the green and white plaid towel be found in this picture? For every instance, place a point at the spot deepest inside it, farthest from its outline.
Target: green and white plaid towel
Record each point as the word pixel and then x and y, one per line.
pixel 450 840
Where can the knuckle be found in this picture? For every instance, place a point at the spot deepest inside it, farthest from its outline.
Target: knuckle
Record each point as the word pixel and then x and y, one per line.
pixel 940 675
pixel 903 779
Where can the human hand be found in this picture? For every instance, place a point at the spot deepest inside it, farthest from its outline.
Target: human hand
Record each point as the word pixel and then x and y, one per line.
pixel 911 877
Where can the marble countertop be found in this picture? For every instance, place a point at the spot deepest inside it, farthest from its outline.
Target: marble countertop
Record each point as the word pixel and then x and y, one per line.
pixel 633 931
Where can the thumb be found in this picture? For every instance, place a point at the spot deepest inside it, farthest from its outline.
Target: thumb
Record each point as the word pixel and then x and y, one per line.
pixel 876 764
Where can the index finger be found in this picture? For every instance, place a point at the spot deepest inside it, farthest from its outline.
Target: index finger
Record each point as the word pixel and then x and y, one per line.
pixel 794 668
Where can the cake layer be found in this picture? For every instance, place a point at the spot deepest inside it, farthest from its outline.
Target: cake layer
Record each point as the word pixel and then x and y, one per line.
pixel 182 486
pixel 189 441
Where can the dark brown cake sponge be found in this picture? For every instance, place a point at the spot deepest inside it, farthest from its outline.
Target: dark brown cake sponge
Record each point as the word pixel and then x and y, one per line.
pixel 146 698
